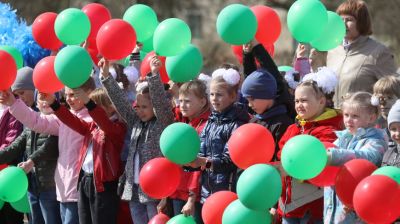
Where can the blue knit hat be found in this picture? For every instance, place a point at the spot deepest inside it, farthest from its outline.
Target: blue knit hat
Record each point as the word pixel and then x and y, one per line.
pixel 260 84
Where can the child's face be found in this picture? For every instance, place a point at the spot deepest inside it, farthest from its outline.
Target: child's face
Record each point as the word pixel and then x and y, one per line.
pixel 26 96
pixel 220 98
pixel 74 103
pixel 144 107
pixel 259 105
pixel 394 130
pixel 385 103
pixel 191 105
pixel 308 106
pixel 354 119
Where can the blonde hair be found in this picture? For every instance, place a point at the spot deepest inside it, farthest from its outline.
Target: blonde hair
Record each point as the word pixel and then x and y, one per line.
pixel 100 97
pixel 360 100
pixel 196 87
pixel 388 85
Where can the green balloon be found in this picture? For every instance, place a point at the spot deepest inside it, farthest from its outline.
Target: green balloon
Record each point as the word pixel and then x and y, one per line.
pixel 72 26
pixel 171 37
pixel 13 184
pixel 181 219
pixel 73 66
pixel 22 205
pixel 180 143
pixel 306 20
pixel 236 24
pixel 333 34
pixel 237 213
pixel 19 60
pixel 259 187
pixel 304 157
pixel 178 68
pixel 1 204
pixel 143 19
pixel 148 44
pixel 284 68
pixel 142 55
pixel 390 171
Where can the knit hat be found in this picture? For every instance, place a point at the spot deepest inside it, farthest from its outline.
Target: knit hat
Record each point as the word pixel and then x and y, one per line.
pixel 394 113
pixel 24 79
pixel 260 84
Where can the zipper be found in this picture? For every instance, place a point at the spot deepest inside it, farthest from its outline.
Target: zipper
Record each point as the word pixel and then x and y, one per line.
pixel 109 164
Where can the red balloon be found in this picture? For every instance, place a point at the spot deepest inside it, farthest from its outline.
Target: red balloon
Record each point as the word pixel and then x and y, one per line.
pixel 145 67
pixel 3 166
pixel 159 178
pixel 160 218
pixel 44 76
pixel 98 14
pixel 269 24
pixel 251 144
pixel 328 176
pixel 214 206
pixel 350 174
pixel 238 51
pixel 43 31
pixel 377 199
pixel 116 39
pixel 8 70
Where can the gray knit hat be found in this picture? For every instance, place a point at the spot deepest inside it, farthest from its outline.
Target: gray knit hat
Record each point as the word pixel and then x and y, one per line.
pixel 394 113
pixel 24 79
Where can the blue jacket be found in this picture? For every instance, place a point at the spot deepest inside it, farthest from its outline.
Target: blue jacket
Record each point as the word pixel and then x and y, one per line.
pixel 369 144
pixel 214 138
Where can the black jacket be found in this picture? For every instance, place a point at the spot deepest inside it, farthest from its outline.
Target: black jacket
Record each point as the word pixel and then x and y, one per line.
pixel 42 149
pixel 214 138
pixel 392 155
pixel 266 62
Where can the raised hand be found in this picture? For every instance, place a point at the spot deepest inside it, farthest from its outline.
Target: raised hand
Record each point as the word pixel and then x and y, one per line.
pixel 138 47
pixel 301 51
pixel 104 64
pixel 155 64
pixel 81 95
pixel 7 97
pixel 46 97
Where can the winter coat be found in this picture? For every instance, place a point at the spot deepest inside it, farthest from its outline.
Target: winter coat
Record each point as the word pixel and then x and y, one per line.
pixel 392 155
pixel 369 144
pixel 276 120
pixel 145 136
pixel 214 138
pixel 298 196
pixel 359 66
pixel 10 129
pixel 69 144
pixel 106 137
pixel 42 149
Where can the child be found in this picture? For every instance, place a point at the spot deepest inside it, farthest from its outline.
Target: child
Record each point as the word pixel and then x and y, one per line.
pixel 386 92
pixel 302 202
pixel 194 109
pixel 255 50
pixel 41 153
pixel 99 161
pixel 153 113
pixel 69 144
pixel 11 128
pixel 220 172
pixel 392 155
pixel 359 140
pixel 260 90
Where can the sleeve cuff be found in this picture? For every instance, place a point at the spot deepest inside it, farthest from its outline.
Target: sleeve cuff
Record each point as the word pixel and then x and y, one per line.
pixel 134 57
pixel 91 105
pixel 55 105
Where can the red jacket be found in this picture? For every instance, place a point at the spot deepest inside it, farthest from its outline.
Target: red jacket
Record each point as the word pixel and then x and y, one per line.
pixel 107 138
pixel 190 181
pixel 323 128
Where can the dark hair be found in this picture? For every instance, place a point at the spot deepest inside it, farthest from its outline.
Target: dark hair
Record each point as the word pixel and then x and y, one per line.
pixel 358 9
pixel 89 85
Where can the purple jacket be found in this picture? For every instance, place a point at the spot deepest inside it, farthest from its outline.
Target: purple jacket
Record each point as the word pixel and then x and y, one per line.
pixel 10 129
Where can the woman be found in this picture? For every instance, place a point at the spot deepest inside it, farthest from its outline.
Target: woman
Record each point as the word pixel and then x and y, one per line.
pixel 360 61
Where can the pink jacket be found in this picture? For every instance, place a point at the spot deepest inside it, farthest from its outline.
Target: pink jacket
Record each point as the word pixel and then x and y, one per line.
pixel 69 144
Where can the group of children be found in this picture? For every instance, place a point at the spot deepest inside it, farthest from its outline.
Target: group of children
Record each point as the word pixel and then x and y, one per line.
pixel 83 156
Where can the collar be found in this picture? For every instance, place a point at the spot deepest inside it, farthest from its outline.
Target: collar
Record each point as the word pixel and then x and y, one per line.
pixel 347 45
pixel 273 111
pixel 327 114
